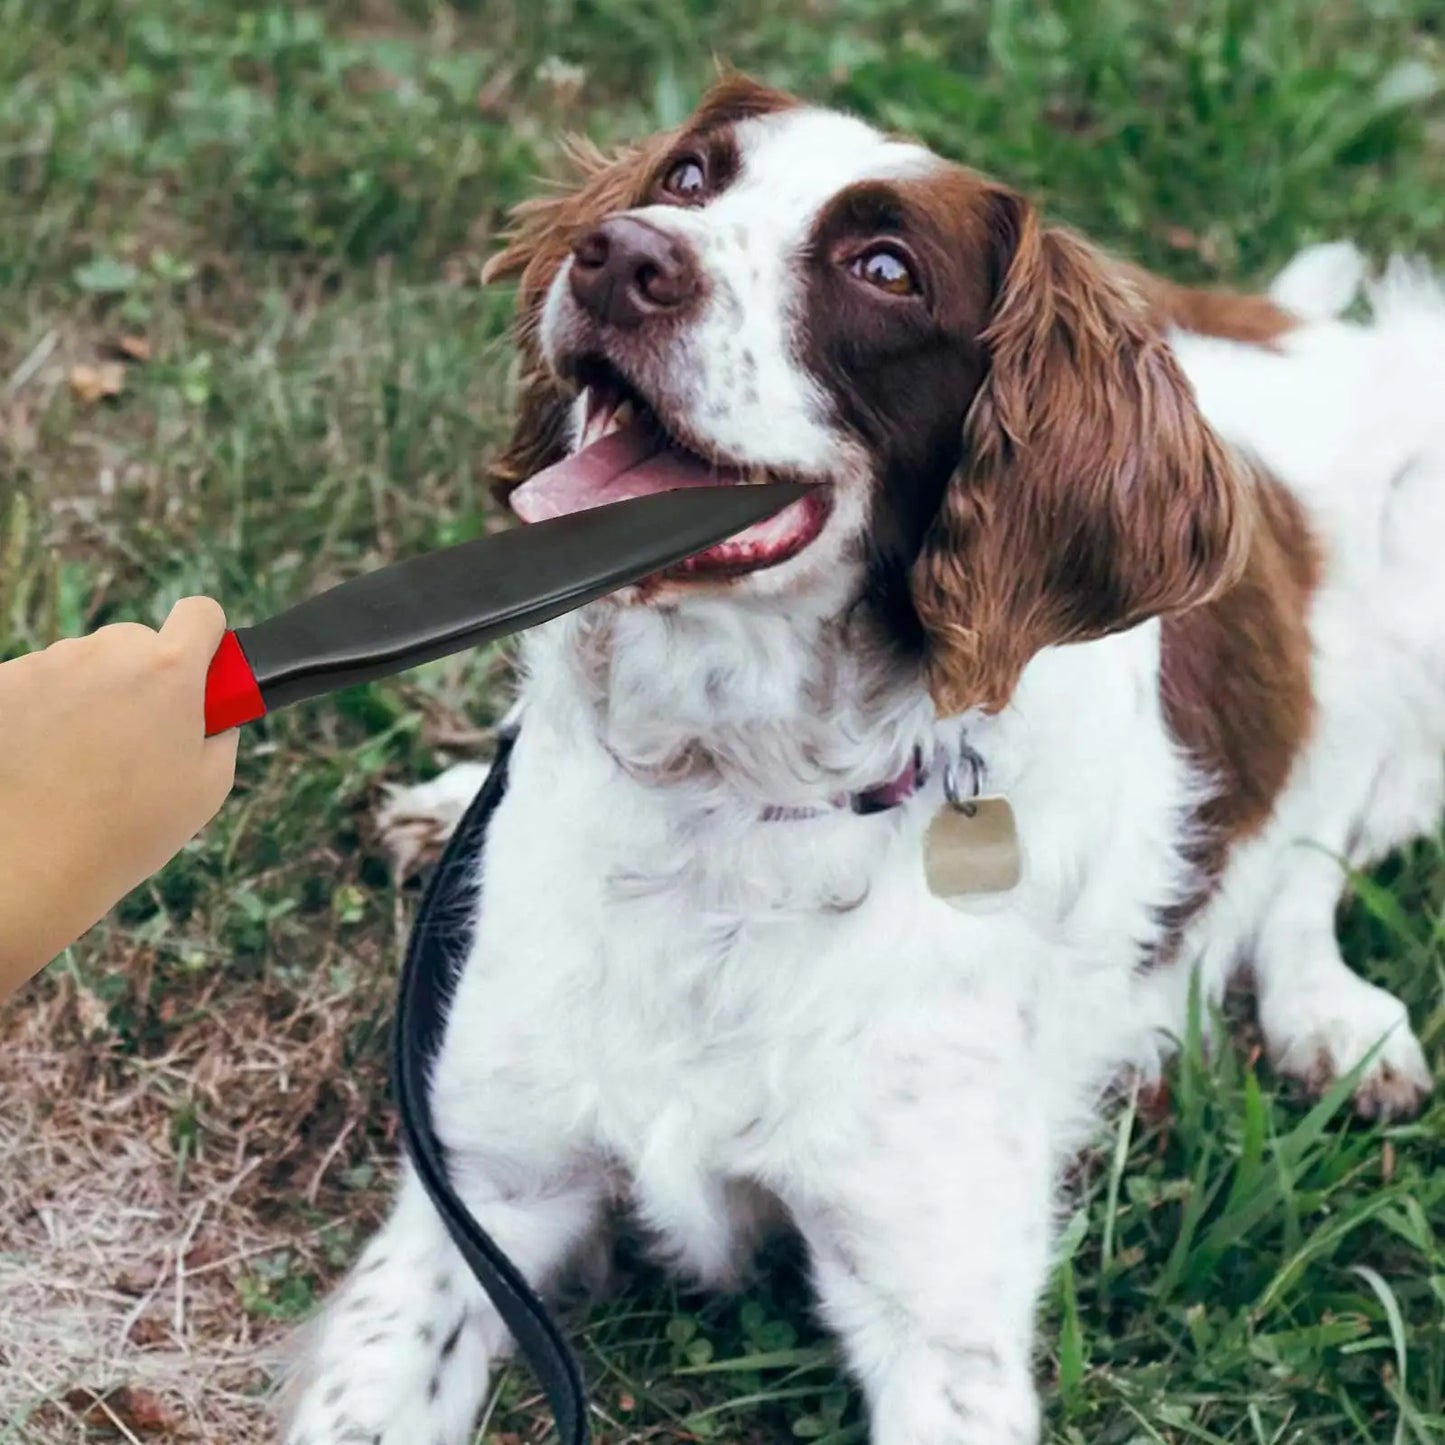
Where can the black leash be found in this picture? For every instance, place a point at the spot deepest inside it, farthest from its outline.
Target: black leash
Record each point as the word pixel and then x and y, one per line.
pixel 434 952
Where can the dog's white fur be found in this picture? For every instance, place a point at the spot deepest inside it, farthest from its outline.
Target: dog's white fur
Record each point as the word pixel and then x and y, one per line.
pixel 669 999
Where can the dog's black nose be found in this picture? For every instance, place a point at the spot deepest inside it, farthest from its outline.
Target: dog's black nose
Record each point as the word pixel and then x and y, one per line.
pixel 626 271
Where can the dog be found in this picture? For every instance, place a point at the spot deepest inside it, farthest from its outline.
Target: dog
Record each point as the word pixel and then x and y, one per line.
pixel 1159 566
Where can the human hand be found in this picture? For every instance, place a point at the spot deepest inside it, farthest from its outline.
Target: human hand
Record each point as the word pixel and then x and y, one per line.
pixel 105 774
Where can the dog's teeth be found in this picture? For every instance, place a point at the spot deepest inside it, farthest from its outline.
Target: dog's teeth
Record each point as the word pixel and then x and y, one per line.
pixel 592 418
pixel 621 416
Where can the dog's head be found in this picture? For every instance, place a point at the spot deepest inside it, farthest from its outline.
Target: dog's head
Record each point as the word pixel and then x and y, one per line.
pixel 1008 455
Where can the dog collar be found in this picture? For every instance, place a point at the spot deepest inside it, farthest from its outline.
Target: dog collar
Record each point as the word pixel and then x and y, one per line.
pixel 896 792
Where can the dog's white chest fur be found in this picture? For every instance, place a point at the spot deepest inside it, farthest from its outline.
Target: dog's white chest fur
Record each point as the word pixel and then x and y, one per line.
pixel 688 982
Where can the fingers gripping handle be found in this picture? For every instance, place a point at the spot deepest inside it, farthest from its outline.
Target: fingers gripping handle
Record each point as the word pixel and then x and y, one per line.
pixel 232 694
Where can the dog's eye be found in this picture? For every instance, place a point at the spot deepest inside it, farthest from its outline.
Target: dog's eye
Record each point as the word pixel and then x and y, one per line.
pixel 687 180
pixel 883 268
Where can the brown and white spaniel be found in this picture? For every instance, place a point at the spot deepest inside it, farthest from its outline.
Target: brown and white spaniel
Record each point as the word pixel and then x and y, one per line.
pixel 1161 565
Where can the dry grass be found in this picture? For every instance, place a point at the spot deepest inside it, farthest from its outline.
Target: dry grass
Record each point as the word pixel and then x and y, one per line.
pixel 127 1255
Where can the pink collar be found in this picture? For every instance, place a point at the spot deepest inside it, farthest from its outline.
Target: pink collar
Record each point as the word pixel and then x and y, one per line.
pixel 873 800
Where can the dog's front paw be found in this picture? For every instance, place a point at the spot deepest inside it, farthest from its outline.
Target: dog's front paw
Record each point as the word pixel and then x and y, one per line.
pixel 415 822
pixel 958 1398
pixel 1318 1034
pixel 398 1356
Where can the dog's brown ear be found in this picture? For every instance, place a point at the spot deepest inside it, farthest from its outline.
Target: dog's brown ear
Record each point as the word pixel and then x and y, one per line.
pixel 540 239
pixel 1092 494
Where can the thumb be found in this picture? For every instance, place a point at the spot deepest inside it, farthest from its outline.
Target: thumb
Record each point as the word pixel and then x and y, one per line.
pixel 196 625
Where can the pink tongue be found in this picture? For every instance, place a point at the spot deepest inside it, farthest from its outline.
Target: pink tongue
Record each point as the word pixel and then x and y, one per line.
pixel 631 462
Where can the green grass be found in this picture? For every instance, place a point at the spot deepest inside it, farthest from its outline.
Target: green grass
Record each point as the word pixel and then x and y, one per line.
pixel 290 205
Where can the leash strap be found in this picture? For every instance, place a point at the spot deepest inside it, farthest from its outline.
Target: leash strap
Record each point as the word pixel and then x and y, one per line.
pixel 432 955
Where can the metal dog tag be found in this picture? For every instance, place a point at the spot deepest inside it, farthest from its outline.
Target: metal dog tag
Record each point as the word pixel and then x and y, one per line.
pixel 972 847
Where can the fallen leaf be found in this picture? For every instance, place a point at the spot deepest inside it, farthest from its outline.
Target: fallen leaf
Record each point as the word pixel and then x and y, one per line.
pixel 125 1408
pixel 148 1332
pixel 138 348
pixel 203 1252
pixel 141 1278
pixel 95 383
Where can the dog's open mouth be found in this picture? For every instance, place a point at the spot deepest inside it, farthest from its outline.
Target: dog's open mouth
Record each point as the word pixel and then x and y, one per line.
pixel 626 452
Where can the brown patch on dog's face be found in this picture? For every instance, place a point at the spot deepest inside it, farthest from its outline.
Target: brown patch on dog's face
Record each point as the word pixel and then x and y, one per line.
pixel 901 371
pixel 546 228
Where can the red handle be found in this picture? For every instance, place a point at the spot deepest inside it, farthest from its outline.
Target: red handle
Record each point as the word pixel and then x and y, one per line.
pixel 232 696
